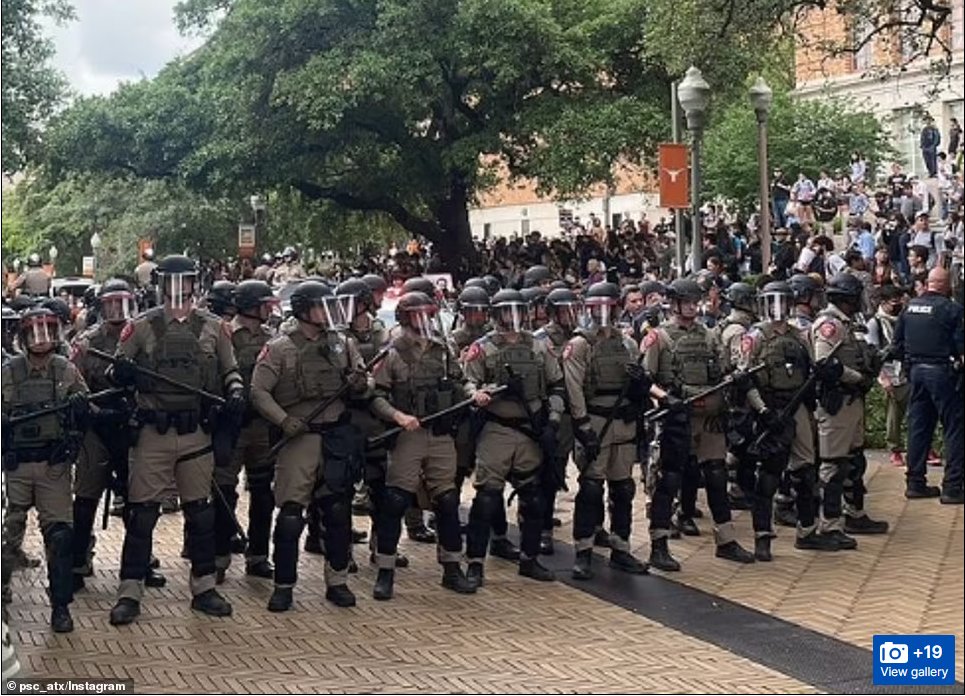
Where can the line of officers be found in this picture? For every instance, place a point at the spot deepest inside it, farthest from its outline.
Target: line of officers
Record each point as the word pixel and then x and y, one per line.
pixel 521 383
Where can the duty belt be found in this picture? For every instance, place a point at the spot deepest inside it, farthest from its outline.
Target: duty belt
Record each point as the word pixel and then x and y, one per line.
pixel 627 412
pixel 519 424
pixel 184 422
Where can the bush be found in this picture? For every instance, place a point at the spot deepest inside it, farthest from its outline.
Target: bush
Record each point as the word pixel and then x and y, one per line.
pixel 874 419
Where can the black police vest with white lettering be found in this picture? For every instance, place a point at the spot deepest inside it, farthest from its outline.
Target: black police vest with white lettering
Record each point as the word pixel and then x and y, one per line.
pixel 927 337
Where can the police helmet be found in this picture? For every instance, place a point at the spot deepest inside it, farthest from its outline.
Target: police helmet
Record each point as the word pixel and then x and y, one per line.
pixel 802 287
pixel 60 308
pixel 115 300
pixel 40 326
pixel 220 298
pixel 776 298
pixel 33 261
pixel 845 287
pixel 419 284
pixel 741 296
pixel 249 295
pixel 375 282
pixel 685 289
pixel 534 295
pixel 493 284
pixel 536 275
pixel 415 310
pixel 356 297
pixel 473 297
pixel 314 293
pixel 559 285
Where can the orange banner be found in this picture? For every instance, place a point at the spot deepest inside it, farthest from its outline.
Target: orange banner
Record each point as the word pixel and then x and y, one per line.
pixel 674 175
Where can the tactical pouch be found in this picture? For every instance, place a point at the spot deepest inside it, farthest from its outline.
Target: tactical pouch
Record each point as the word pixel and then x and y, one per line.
pixel 343 457
pixel 830 398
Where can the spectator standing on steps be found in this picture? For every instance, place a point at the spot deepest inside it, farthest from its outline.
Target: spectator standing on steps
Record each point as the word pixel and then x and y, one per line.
pixel 929 141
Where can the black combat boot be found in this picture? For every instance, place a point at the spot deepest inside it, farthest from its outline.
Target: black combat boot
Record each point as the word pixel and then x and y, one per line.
pixel 762 549
pixel 864 525
pixel 60 619
pixel 475 574
pixel 546 547
pixel 384 583
pixel 281 599
pixel 628 563
pixel 582 568
pixel 686 525
pixel 238 545
pixel 532 568
pixel 359 536
pixel 211 603
pixel 602 539
pixel 154 578
pixel 917 491
pixel 660 557
pixel 842 540
pixel 260 569
pixel 401 560
pixel 504 548
pixel 454 579
pixel 784 514
pixel 953 496
pixel 732 551
pixel 125 611
pixel 421 534
pixel 812 541
pixel 313 543
pixel 340 596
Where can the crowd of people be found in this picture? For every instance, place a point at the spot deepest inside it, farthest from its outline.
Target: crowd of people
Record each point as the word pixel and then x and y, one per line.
pixel 590 352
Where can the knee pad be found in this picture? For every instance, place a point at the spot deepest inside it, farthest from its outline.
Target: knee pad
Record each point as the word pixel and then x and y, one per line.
pixel 803 479
pixel 290 521
pixel 141 518
pixel 591 491
pixel 530 499
pixel 260 479
pixel 58 535
pixel 859 465
pixel 337 510
pixel 198 511
pixel 622 491
pixel 715 474
pixel 396 501
pixel 487 502
pixel 447 501
pixel 842 465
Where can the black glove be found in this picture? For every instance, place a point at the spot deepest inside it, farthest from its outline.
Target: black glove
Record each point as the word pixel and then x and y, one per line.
pixel 742 380
pixel 635 372
pixel 548 438
pixel 357 379
pixel 590 442
pixel 125 372
pixel 771 421
pixel 673 404
pixel 236 404
pixel 829 370
pixel 79 407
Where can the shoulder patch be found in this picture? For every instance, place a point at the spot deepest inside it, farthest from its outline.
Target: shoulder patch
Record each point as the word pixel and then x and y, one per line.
pixel 568 350
pixel 747 343
pixel 127 331
pixel 829 329
pixel 649 340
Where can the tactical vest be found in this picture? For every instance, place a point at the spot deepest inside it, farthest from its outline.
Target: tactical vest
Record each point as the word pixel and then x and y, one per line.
pixel 369 343
pixel 248 345
pixel 177 353
pixel 607 371
pixel 95 373
pixel 786 360
pixel 691 359
pixel 428 388
pixel 321 365
pixel 33 393
pixel 525 362
pixel 852 352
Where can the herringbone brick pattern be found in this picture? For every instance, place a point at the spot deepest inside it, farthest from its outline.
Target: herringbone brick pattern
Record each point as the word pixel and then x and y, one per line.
pixel 513 636
pixel 911 580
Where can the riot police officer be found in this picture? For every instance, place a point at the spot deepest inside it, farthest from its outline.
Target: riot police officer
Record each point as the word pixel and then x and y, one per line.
pixel 418 378
pixel 378 286
pixel 34 281
pixel 683 357
pixel 929 336
pixel 296 372
pixel 173 446
pixel 535 297
pixel 519 424
pixel 103 459
pixel 537 276
pixel 39 452
pixel 605 385
pixel 11 327
pixel 847 377
pixel 254 304
pixel 785 444
pixel 563 311
pixel 473 307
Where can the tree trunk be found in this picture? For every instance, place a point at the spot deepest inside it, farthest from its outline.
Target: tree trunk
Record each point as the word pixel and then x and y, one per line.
pixel 455 244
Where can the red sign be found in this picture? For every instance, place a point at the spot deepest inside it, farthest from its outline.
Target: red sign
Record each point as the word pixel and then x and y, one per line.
pixel 674 175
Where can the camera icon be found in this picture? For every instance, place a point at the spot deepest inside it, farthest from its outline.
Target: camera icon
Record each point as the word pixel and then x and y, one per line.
pixel 893 653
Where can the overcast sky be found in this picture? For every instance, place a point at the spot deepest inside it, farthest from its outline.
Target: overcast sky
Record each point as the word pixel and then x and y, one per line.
pixel 117 40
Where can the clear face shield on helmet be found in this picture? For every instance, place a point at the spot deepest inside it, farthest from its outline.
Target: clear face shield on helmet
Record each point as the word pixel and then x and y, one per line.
pixel 602 314
pixel 423 321
pixel 568 315
pixel 177 289
pixel 775 306
pixel 513 316
pixel 269 308
pixel 473 315
pixel 41 334
pixel 326 312
pixel 348 306
pixel 116 306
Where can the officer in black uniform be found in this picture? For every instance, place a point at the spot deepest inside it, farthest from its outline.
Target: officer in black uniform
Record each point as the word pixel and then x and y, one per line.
pixel 930 336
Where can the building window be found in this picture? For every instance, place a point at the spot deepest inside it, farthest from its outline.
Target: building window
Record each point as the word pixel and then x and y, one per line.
pixel 524 227
pixel 907 129
pixel 487 231
pixel 863 56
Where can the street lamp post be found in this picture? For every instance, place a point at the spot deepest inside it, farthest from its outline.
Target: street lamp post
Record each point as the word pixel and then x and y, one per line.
pixel 53 252
pixel 761 98
pixel 95 245
pixel 693 92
